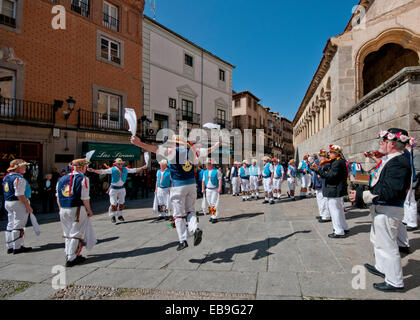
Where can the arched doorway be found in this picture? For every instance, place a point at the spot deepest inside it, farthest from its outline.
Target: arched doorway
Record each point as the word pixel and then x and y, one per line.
pixel 381 65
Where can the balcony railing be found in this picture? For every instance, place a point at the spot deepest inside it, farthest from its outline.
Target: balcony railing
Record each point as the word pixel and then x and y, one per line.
pixel 110 22
pixel 81 8
pixel 7 21
pixel 26 111
pixel 223 123
pixel 184 115
pixel 99 121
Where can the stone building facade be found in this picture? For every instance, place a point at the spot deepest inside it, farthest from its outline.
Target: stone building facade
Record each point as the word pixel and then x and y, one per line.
pixel 64 91
pixel 367 81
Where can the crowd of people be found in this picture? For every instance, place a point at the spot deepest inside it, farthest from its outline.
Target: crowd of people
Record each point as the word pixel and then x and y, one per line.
pixel 326 175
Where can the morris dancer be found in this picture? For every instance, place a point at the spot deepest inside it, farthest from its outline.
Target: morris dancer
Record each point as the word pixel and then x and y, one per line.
pixel 278 178
pixel 117 190
pixel 335 189
pixel 255 174
pixel 319 183
pixel 386 195
pixel 244 180
pixel 303 170
pixel 183 190
pixel 161 205
pixel 234 174
pixel 291 178
pixel 73 202
pixel 268 174
pixel 16 195
pixel 212 186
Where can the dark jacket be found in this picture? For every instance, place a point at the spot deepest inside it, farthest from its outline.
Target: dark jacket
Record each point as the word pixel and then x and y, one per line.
pixel 335 179
pixel 393 183
pixel 318 181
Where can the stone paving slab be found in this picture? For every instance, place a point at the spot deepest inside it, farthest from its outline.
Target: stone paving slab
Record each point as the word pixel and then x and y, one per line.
pixel 213 281
pixel 39 291
pixel 264 251
pixel 124 278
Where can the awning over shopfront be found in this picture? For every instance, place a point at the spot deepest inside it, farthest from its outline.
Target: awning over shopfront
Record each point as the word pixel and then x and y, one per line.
pixel 109 152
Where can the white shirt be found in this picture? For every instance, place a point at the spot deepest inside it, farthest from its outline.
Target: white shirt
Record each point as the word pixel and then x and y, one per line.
pixel 20 185
pixel 120 183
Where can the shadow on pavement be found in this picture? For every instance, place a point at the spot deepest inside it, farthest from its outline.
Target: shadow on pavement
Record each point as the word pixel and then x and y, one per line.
pixel 261 248
pixel 364 228
pixel 240 216
pixel 356 214
pixel 411 269
pixel 53 246
pixel 127 254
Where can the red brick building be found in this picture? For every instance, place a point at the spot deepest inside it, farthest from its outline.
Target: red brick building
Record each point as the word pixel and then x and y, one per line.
pixel 96 60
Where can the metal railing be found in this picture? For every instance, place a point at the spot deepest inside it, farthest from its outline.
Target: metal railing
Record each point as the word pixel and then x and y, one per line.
pixel 99 121
pixel 224 124
pixel 81 8
pixel 191 117
pixel 7 21
pixel 110 22
pixel 26 111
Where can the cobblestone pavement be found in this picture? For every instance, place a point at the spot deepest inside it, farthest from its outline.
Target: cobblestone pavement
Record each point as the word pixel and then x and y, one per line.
pixel 255 251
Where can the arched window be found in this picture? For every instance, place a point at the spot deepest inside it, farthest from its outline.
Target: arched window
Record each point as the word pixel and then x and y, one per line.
pixel 381 65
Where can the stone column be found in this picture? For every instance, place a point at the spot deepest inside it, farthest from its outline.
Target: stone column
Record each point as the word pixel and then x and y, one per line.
pixel 321 113
pixel 328 107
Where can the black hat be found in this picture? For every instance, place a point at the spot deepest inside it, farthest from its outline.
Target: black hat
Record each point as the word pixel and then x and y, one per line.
pixel 396 130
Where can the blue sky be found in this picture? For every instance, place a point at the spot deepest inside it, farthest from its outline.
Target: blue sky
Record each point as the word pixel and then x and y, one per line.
pixel 276 45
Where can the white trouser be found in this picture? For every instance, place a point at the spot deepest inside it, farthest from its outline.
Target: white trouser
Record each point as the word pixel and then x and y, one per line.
pixel 183 204
pixel 383 235
pixel 410 210
pixel 116 197
pixel 291 184
pixel 235 185
pixel 277 186
pixel 308 179
pixel 268 185
pixel 336 209
pixel 74 232
pixel 204 203
pixel 17 219
pixel 322 205
pixel 245 188
pixel 304 181
pixel 161 199
pixel 402 236
pixel 253 185
pixel 212 197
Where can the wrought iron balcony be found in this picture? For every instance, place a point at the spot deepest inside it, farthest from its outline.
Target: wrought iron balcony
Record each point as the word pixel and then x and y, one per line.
pixel 223 123
pixel 110 22
pixel 100 121
pixel 191 117
pixel 7 21
pixel 23 111
pixel 81 8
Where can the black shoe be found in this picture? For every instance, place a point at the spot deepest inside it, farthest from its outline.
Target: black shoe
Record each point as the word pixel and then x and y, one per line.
pixel 293 199
pixel 374 271
pixel 78 260
pixel 336 236
pixel 265 201
pixel 182 245
pixel 198 235
pixel 272 202
pixel 412 228
pixel 9 251
pixel 405 250
pixel 167 218
pixel 249 199
pixel 22 249
pixel 346 231
pixel 214 220
pixel 386 287
pixel 324 221
pixel 113 220
pixel 121 218
pixel 288 194
pixel 243 199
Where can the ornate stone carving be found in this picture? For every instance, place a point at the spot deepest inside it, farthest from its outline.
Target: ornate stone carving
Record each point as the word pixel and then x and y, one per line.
pixel 8 55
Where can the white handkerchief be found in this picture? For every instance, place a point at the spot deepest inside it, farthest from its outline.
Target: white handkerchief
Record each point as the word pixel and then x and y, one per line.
pixel 146 158
pixel 130 116
pixel 35 224
pixel 90 236
pixel 212 126
pixel 89 155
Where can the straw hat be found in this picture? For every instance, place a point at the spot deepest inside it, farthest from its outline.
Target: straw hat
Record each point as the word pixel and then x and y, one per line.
pixel 79 163
pixel 119 161
pixel 337 149
pixel 292 161
pixel 266 158
pixel 245 162
pixel 17 163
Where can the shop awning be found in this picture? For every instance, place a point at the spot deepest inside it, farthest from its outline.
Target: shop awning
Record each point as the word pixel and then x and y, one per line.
pixel 109 152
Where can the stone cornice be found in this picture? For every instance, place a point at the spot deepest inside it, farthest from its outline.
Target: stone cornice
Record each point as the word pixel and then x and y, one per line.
pixel 408 74
pixel 136 4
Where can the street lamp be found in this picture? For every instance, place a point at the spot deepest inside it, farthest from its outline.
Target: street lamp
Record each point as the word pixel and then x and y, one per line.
pixel 70 107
